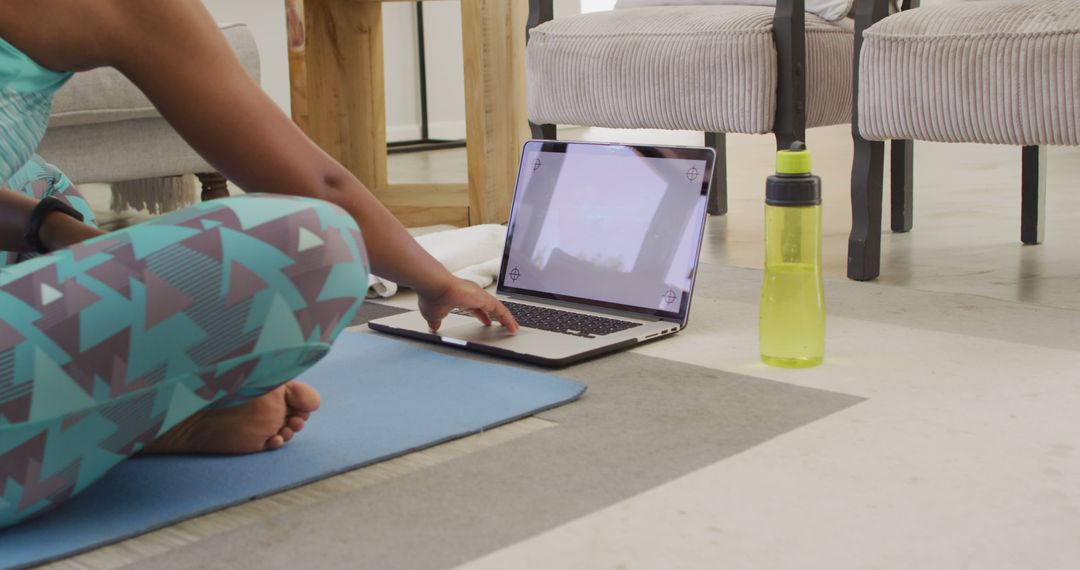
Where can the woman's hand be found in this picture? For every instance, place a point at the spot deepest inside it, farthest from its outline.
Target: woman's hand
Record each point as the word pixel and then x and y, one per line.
pixel 461 294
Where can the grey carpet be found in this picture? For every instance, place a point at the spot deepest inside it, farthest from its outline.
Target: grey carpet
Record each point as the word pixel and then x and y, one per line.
pixel 370 311
pixel 645 421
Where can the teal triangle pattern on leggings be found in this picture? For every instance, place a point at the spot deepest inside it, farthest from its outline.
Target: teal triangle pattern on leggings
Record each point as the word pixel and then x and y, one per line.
pixel 108 344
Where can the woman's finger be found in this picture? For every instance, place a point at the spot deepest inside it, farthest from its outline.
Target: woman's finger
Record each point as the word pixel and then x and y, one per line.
pixel 483 316
pixel 502 314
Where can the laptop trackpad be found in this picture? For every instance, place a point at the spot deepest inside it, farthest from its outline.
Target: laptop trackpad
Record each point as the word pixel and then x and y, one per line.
pixel 525 341
pixel 477 332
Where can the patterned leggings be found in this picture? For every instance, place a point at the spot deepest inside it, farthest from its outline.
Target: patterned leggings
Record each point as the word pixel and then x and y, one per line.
pixel 106 345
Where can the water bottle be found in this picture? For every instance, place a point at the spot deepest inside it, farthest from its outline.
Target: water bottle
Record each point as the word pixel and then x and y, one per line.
pixel 792 321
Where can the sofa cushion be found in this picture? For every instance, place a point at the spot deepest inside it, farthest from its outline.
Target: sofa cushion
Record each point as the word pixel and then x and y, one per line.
pixel 105 96
pixel 702 68
pixel 1005 72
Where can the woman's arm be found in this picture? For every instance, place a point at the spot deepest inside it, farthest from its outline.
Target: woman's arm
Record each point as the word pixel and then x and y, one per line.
pixel 175 53
pixel 57 230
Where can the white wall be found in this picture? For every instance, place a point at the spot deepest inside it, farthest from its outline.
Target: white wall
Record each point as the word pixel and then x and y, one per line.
pixel 446 84
pixel 402 71
pixel 445 70
pixel 596 5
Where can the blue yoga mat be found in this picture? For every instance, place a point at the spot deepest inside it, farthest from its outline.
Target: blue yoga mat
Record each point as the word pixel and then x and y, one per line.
pixel 380 398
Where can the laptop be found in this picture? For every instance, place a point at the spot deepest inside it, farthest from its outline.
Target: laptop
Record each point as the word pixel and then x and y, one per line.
pixel 601 253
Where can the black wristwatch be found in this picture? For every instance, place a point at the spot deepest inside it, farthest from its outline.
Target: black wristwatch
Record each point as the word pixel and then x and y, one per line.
pixel 37 217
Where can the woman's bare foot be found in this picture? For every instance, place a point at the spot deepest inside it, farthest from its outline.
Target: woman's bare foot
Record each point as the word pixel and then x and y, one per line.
pixel 266 422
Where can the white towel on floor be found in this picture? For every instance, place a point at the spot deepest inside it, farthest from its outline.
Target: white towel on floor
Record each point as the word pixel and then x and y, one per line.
pixel 473 254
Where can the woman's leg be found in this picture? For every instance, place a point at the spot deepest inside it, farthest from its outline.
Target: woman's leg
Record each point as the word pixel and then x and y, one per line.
pixel 108 344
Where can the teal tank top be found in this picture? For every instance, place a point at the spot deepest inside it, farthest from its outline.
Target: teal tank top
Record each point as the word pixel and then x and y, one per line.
pixel 26 92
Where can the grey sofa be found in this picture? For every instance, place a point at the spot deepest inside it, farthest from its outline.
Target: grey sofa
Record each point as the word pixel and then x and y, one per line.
pixel 104 130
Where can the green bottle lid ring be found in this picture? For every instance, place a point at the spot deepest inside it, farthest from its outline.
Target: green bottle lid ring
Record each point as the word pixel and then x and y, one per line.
pixel 793 185
pixel 795 160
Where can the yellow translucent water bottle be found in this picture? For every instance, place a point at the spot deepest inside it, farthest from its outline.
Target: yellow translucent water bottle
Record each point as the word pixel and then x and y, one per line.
pixel 792 321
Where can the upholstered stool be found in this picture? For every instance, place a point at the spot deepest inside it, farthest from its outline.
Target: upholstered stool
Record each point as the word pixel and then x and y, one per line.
pixel 1003 72
pixel 699 68
pixel 704 68
pixel 104 130
pixel 993 72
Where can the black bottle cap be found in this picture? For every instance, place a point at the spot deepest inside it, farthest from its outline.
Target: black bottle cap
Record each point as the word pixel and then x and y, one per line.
pixel 800 190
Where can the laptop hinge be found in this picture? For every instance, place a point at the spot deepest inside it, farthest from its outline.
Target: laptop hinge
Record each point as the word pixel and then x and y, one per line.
pixel 591 308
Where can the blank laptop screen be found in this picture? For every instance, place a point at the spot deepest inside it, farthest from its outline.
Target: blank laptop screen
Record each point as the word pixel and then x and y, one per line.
pixel 616 225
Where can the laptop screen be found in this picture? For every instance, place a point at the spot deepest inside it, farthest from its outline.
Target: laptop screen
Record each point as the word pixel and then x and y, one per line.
pixel 613 225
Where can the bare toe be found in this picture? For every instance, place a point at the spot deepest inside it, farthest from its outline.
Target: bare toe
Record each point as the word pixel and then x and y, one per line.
pixel 286 433
pixel 301 398
pixel 275 442
pixel 295 423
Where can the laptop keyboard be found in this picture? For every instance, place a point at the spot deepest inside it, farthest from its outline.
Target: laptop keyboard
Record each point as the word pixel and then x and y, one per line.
pixel 563 322
pixel 566 322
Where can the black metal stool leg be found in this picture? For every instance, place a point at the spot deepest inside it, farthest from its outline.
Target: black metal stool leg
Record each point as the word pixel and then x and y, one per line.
pixel 544 132
pixel 864 244
pixel 901 185
pixel 1033 204
pixel 867 169
pixel 718 198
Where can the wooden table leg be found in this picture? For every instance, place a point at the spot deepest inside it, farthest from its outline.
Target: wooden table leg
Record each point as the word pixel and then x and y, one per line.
pixel 346 111
pixel 493 33
pixel 336 68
